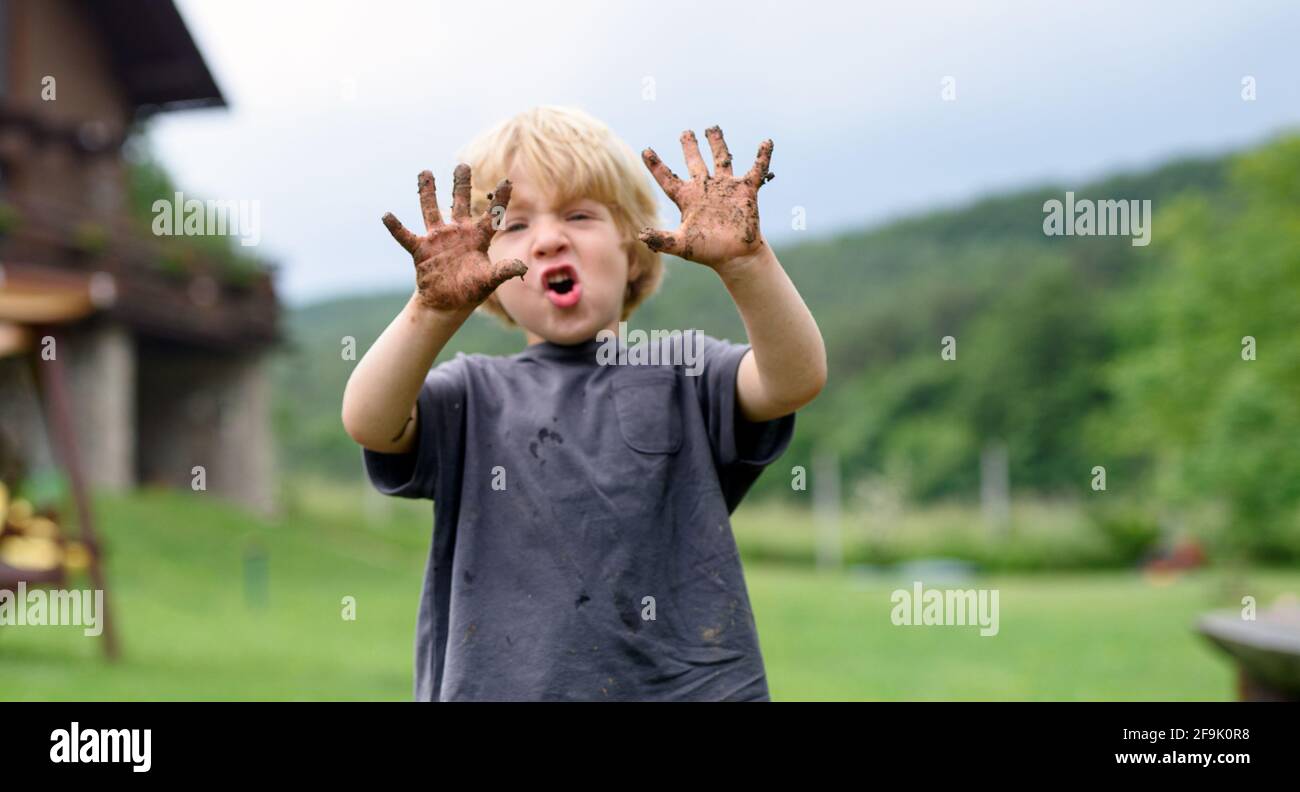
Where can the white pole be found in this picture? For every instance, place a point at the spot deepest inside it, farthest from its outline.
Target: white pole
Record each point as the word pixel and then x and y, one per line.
pixel 827 516
pixel 995 487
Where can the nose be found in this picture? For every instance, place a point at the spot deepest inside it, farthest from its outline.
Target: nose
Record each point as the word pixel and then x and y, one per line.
pixel 549 239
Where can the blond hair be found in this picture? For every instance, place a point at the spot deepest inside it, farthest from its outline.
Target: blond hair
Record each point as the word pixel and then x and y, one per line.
pixel 573 156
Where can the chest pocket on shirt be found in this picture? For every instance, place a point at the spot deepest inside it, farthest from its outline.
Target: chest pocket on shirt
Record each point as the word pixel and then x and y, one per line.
pixel 649 416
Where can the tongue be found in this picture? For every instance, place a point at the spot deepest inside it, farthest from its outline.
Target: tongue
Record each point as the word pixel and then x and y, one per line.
pixel 569 298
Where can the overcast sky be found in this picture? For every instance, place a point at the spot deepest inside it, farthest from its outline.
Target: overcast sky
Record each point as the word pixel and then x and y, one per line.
pixel 336 106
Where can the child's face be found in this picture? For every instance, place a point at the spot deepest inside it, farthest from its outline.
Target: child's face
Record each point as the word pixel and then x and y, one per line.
pixel 577 265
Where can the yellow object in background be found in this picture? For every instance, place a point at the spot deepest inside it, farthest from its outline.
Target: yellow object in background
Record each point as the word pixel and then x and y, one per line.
pixel 32 553
pixel 76 557
pixel 37 527
pixel 32 542
pixel 20 510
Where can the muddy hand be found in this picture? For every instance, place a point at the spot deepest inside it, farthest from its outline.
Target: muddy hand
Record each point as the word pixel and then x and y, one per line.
pixel 719 212
pixel 452 269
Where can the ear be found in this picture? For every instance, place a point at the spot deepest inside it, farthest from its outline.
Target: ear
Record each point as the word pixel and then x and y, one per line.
pixel 633 272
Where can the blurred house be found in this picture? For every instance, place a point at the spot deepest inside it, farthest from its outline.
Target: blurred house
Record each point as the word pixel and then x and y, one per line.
pixel 168 373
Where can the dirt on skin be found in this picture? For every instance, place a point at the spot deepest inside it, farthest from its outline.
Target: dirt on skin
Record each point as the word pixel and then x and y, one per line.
pixel 719 211
pixel 452 268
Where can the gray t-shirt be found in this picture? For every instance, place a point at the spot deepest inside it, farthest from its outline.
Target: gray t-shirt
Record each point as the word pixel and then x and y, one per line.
pixel 582 547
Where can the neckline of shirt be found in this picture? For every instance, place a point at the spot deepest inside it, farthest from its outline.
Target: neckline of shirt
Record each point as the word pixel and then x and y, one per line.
pixel 583 350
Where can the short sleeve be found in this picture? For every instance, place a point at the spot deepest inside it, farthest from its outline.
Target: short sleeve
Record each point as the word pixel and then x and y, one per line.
pixel 440 407
pixel 741 448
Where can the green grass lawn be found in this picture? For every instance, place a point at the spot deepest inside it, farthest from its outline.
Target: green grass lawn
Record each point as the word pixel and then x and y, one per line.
pixel 190 631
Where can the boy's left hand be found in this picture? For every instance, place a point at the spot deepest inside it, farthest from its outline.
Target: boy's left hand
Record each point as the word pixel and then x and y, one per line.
pixel 719 212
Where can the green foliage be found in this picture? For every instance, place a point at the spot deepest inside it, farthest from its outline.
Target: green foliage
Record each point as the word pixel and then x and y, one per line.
pixel 1030 373
pixel 9 219
pixel 1131 527
pixel 1040 535
pixel 148 181
pixel 90 239
pixel 1221 427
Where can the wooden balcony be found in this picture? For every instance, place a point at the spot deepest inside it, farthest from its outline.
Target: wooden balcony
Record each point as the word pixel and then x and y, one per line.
pixel 163 287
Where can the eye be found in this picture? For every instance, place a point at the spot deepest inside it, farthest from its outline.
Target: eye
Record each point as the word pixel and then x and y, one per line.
pixel 580 214
pixel 515 226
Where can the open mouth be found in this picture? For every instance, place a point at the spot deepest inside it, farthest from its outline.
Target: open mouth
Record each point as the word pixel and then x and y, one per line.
pixel 561 285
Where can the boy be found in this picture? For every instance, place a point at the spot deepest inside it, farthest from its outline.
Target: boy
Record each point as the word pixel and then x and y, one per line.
pixel 581 546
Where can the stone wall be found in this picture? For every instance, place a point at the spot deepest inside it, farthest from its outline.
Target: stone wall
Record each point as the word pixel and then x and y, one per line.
pixel 101 377
pixel 150 412
pixel 208 410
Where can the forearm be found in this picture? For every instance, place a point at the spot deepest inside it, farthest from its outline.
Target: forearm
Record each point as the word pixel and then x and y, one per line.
pixel 788 366
pixel 379 400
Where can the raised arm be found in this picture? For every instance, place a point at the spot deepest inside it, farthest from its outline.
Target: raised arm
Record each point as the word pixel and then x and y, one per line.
pixel 453 275
pixel 786 365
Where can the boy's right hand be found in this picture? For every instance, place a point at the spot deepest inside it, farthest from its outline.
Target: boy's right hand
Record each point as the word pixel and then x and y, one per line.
pixel 452 269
